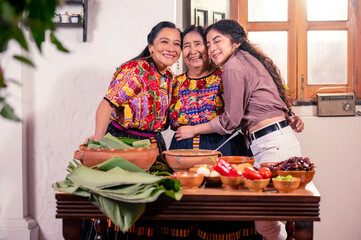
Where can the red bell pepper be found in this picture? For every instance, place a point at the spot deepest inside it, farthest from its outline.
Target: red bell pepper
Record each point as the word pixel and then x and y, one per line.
pixel 250 173
pixel 224 168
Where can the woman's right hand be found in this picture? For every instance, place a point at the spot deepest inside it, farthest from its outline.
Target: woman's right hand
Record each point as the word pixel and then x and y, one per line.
pixel 95 137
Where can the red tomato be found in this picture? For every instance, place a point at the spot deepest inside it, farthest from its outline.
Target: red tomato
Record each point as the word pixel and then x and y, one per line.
pixel 250 173
pixel 265 172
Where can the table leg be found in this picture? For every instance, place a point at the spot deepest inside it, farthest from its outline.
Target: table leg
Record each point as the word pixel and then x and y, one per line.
pixel 101 226
pixel 299 230
pixel 72 229
pixel 304 230
pixel 290 228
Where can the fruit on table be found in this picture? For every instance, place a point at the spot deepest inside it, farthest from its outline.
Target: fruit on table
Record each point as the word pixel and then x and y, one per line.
pixel 239 167
pixel 250 173
pixel 265 172
pixel 286 178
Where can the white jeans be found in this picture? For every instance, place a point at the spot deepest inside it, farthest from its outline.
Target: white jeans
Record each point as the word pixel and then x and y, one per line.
pixel 277 146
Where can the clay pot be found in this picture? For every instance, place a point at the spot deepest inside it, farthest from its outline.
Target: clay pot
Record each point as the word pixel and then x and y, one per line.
pixel 184 159
pixel 239 159
pixel 142 157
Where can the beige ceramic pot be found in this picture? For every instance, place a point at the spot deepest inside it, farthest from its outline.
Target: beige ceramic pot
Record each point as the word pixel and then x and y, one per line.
pixel 184 159
pixel 142 157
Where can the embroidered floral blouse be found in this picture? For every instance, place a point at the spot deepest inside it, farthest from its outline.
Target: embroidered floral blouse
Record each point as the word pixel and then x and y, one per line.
pixel 196 100
pixel 141 96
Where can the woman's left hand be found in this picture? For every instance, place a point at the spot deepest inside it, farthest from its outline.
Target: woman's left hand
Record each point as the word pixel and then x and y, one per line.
pixel 185 132
pixel 296 123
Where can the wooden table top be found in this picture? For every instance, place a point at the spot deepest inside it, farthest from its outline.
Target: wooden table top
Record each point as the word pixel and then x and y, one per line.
pixel 213 204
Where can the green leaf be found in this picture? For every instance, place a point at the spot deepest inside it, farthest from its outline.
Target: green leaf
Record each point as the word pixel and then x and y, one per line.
pixel 19 37
pixel 118 161
pixel 24 60
pixel 2 81
pixel 38 32
pixel 8 112
pixel 58 44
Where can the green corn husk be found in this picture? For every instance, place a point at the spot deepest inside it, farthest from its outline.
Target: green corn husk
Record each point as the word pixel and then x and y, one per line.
pixel 141 143
pixel 118 161
pixel 119 193
pixel 109 141
pixel 127 140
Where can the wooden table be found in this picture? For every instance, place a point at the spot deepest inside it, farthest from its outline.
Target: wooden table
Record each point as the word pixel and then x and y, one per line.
pixel 300 209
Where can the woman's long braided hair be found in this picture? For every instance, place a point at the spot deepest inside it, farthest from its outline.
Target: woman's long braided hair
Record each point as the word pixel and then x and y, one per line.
pixel 237 34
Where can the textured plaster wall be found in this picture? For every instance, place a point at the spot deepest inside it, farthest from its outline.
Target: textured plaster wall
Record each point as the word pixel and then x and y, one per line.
pixel 67 88
pixel 61 95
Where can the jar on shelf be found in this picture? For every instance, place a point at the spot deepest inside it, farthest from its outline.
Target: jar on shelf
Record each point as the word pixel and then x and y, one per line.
pixel 75 18
pixel 65 18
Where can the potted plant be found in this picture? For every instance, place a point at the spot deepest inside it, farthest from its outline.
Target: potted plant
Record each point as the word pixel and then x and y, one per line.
pixel 16 17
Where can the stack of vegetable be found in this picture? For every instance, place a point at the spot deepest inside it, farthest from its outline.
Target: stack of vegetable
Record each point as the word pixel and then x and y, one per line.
pixel 295 164
pixel 109 141
pixel 119 188
pixel 252 174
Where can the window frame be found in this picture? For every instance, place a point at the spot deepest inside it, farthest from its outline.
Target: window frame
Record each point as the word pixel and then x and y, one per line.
pixel 297 27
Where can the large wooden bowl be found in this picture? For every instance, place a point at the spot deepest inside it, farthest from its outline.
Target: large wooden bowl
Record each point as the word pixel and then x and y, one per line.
pixel 142 157
pixel 184 159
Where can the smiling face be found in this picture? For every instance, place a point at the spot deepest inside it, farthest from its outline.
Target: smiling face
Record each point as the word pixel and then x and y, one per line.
pixel 166 48
pixel 194 51
pixel 220 47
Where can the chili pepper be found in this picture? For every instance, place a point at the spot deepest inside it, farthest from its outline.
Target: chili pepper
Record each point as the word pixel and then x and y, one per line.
pixel 250 173
pixel 224 168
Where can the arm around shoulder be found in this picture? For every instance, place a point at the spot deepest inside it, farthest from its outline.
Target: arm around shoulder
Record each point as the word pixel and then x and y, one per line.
pixel 188 131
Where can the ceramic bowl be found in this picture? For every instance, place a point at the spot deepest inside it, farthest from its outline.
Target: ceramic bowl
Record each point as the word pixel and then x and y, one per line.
pixel 174 175
pixel 286 186
pixel 256 185
pixel 231 183
pixel 305 176
pixel 213 181
pixel 184 159
pixel 142 157
pixel 195 168
pixel 190 180
pixel 239 159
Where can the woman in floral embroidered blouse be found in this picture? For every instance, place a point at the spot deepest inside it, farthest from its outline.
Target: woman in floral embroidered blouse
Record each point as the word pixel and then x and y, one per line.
pixel 137 102
pixel 197 97
pixel 137 106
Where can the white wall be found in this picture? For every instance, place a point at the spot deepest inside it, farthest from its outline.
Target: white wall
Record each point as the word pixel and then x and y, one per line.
pixel 61 96
pixel 333 143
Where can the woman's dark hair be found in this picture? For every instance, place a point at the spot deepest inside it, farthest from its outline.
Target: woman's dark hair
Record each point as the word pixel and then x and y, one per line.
pixel 194 28
pixel 153 34
pixel 237 34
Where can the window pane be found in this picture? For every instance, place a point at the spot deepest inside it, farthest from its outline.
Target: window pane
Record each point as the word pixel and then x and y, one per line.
pixel 267 11
pixel 327 57
pixel 274 45
pixel 326 10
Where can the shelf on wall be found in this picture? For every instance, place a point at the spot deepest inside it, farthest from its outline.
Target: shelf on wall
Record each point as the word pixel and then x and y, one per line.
pixel 84 19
